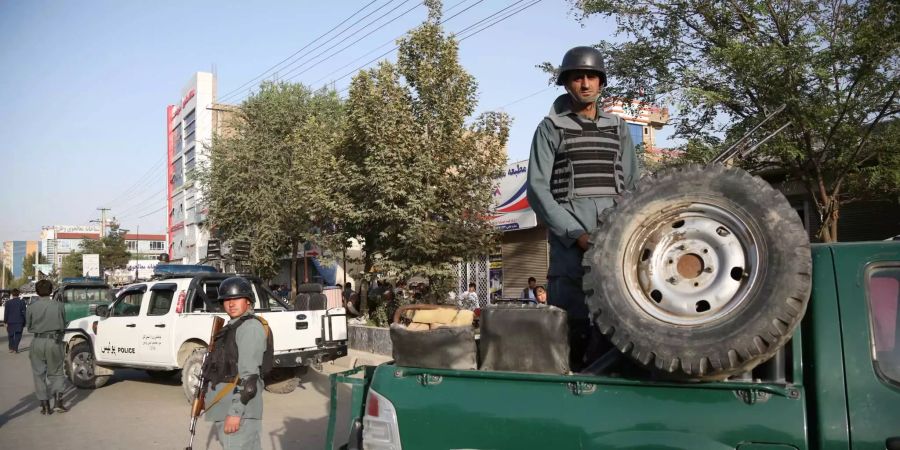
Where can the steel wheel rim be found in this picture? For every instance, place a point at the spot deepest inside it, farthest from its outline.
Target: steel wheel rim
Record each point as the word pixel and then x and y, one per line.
pixel 193 377
pixel 83 366
pixel 692 264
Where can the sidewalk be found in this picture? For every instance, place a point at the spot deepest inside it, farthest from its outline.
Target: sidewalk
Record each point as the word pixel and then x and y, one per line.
pixel 354 358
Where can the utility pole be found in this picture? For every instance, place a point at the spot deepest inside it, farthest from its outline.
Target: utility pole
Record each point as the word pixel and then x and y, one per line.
pixel 102 221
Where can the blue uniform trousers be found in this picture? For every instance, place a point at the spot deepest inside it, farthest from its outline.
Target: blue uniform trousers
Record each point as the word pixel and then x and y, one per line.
pixel 14 331
pixel 245 438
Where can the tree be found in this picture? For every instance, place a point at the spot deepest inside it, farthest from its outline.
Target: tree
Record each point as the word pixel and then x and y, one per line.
pixel 421 179
pixel 835 66
pixel 274 178
pixel 28 264
pixel 112 250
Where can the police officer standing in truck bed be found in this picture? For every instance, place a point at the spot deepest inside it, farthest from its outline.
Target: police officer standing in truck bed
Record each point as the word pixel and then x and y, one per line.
pixel 581 159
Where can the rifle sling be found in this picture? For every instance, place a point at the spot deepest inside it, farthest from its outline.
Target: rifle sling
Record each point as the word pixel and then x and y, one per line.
pixel 223 393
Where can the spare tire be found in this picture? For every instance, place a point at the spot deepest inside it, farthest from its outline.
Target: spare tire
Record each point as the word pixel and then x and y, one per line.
pixel 702 272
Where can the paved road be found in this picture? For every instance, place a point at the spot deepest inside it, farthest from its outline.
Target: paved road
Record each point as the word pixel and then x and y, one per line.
pixel 135 411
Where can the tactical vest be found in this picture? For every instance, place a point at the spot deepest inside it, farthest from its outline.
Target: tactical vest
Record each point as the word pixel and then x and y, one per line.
pixel 221 364
pixel 588 163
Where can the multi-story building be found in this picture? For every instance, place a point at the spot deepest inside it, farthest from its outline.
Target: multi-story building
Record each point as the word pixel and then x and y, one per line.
pixel 192 121
pixel 643 122
pixel 190 128
pixel 61 240
pixel 14 253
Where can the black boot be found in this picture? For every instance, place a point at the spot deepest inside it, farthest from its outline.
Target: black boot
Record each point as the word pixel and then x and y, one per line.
pixel 59 407
pixel 45 408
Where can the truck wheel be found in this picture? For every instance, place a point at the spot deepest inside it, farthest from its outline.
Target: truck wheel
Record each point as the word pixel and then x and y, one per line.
pixel 190 373
pixel 283 380
pixel 80 367
pixel 702 272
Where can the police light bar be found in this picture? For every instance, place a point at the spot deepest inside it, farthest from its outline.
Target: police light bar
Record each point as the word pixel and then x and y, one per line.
pixel 176 269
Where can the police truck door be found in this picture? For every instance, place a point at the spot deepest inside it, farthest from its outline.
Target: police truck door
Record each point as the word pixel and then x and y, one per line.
pixel 117 334
pixel 156 326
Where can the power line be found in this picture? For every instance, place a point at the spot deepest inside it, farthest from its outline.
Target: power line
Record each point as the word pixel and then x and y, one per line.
pixel 153 212
pixel 513 13
pixel 332 38
pixel 541 91
pixel 140 181
pixel 130 209
pixel 356 41
pixel 394 40
pixel 535 2
pixel 226 95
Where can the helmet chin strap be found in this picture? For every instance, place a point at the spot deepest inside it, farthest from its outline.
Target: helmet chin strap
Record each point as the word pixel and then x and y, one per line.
pixel 578 101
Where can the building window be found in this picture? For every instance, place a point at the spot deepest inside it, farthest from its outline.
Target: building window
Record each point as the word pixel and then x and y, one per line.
pixel 189 160
pixel 636 133
pixel 189 118
pixel 157 245
pixel 132 245
pixel 189 130
pixel 179 143
pixel 177 173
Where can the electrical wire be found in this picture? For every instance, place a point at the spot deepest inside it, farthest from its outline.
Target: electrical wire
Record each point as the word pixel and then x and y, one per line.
pixel 332 38
pixel 261 75
pixel 513 13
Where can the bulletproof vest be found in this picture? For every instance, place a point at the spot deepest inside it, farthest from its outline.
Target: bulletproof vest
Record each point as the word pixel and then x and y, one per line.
pixel 589 161
pixel 221 364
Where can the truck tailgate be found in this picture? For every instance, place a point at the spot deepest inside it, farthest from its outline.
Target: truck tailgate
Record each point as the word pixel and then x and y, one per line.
pixel 476 409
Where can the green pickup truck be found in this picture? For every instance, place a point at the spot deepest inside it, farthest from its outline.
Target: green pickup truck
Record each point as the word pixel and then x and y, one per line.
pixel 840 388
pixel 735 333
pixel 82 295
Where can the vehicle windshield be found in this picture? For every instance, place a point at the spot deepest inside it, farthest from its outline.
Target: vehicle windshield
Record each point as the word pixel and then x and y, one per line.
pixel 87 294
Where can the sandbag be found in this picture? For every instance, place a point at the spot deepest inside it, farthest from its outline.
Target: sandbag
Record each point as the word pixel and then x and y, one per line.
pixel 524 338
pixel 448 347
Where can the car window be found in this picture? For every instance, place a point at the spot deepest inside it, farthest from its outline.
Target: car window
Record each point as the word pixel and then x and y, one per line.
pixel 160 302
pixel 883 291
pixel 267 300
pixel 129 304
pixel 87 294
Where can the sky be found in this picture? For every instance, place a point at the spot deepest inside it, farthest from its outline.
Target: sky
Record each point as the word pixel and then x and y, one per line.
pixel 84 85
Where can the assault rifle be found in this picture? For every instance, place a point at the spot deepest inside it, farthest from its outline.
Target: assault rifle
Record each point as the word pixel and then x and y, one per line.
pixel 198 405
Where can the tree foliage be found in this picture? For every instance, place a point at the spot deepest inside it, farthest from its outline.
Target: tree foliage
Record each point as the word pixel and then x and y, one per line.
pixel 274 178
pixel 112 249
pixel 834 64
pixel 421 178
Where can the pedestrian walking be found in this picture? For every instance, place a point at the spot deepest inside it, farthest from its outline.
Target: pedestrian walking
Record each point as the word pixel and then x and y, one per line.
pixel 14 317
pixel 581 159
pixel 45 319
pixel 235 369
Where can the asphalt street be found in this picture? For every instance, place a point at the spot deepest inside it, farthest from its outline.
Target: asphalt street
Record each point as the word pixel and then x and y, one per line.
pixel 136 412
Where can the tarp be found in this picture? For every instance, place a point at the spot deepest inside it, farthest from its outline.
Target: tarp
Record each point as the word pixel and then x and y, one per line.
pixel 511 209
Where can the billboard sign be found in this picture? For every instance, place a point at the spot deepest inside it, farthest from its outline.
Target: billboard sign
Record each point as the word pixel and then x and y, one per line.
pixel 511 208
pixel 90 265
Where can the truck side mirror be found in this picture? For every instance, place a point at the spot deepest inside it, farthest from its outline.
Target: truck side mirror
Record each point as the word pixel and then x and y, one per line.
pixel 103 310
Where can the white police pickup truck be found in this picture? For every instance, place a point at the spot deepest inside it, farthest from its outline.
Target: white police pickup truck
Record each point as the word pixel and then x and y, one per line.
pixel 164 325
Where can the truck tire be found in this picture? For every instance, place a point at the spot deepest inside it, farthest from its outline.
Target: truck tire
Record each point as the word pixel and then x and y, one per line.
pixel 702 272
pixel 284 380
pixel 190 373
pixel 80 367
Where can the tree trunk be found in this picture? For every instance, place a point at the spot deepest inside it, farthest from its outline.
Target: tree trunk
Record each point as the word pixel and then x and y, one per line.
pixel 305 265
pixel 293 269
pixel 829 213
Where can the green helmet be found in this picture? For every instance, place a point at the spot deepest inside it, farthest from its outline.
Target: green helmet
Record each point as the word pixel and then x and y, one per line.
pixel 582 58
pixel 235 287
